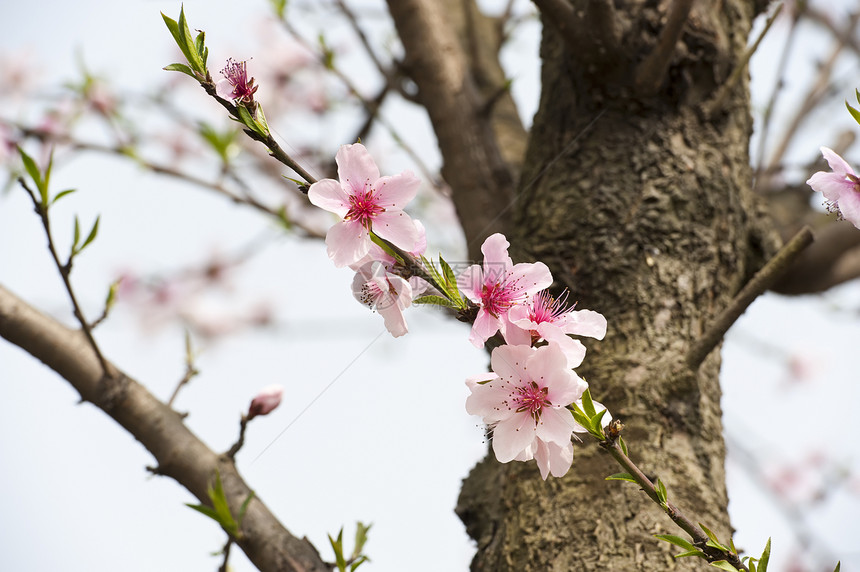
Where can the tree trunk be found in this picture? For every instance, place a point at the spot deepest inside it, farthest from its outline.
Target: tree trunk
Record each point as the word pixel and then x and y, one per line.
pixel 640 203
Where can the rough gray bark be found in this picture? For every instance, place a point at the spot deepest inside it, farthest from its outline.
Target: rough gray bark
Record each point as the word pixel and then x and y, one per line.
pixel 647 217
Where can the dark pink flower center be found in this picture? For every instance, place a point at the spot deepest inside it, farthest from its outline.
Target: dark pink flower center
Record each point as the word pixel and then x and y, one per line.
pixel 545 308
pixel 363 206
pixel 237 74
pixel 531 398
pixel 497 298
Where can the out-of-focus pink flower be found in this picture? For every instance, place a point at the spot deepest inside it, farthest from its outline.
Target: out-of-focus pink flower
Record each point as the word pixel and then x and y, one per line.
pixel 384 292
pixel 547 318
pixel 525 399
pixel 236 86
pixel 841 188
pixel 366 202
pixel 499 286
pixel 266 401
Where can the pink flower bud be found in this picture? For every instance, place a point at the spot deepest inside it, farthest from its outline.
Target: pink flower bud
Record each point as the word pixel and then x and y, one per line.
pixel 266 401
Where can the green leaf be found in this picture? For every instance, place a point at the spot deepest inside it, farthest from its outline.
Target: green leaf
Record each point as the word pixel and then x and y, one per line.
pixel 244 508
pixel 337 547
pixel 724 565
pixel 77 236
pixel 623 446
pixel 588 404
pixel 190 47
pixel 47 180
pixel 33 170
pixel 261 121
pixel 838 564
pixel 110 299
pixel 203 509
pixel 181 68
pixel 765 557
pixel 713 542
pixel 661 491
pixel 279 6
pixel 450 281
pixel 361 560
pixel 62 194
pixel 694 552
pixel 676 540
pixel 434 300
pixel 854 113
pixel 626 477
pixel 91 236
pixel 360 538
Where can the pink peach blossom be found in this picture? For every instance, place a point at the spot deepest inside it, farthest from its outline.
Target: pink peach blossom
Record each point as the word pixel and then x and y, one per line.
pixel 499 286
pixel 525 399
pixel 384 292
pixel 546 318
pixel 841 188
pixel 366 202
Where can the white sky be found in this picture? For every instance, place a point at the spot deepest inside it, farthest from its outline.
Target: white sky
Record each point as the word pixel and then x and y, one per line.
pixel 389 442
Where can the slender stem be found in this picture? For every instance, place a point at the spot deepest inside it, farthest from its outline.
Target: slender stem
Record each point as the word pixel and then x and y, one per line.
pixel 243 425
pixel 717 102
pixel 65 272
pixel 761 282
pixel 700 539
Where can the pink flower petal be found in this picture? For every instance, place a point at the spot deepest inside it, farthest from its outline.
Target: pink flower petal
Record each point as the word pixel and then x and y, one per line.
pixel 513 435
pixel 355 166
pixel 396 227
pixel 495 249
pixel 837 164
pixel 484 327
pixel 831 185
pixel 347 243
pixel 397 190
pixel 329 195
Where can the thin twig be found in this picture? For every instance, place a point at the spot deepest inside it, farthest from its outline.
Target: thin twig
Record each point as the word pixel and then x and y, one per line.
pixel 717 102
pixel 359 31
pixel 65 271
pixel 700 539
pixel 653 68
pixel 190 370
pixel 243 425
pixel 758 285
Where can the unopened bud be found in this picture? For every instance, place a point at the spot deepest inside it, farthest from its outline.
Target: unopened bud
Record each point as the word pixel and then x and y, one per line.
pixel 266 401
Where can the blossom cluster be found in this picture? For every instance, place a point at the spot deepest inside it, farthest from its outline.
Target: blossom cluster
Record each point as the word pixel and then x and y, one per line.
pixel 525 399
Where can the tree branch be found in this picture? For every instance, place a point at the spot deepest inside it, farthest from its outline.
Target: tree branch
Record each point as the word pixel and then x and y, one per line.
pixel 761 282
pixel 652 70
pixel 481 181
pixel 179 453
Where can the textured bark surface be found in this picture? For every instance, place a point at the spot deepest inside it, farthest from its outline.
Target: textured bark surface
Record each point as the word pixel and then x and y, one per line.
pixel 645 216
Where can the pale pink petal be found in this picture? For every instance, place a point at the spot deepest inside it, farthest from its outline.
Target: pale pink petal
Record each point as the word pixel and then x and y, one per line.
pixel 485 401
pixel 355 166
pixel 421 243
pixel 553 459
pixel 831 185
pixel 329 195
pixel 511 362
pixel 495 249
pixel 484 328
pixel 584 323
pixel 513 435
pixel 837 163
pixel 849 206
pixel 530 278
pixel 347 243
pixel 555 425
pixel 395 321
pixel 224 89
pixel 477 380
pixel 572 349
pixel 396 227
pixel 515 335
pixel 397 190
